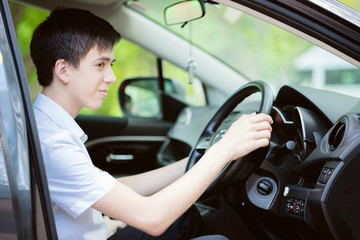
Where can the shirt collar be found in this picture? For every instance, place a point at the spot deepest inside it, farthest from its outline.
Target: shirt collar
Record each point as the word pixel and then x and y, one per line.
pixel 59 116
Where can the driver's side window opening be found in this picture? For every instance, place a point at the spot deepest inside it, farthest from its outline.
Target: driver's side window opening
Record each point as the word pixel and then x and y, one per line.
pixel 131 61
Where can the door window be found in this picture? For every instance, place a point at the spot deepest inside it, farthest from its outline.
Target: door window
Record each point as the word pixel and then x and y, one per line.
pixel 23 179
pixel 15 192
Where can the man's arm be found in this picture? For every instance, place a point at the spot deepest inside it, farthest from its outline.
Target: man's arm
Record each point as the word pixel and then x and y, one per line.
pixel 154 214
pixel 150 182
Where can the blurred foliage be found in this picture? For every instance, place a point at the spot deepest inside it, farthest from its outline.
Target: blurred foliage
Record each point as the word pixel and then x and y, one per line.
pixel 25 21
pixel 254 48
pixel 355 4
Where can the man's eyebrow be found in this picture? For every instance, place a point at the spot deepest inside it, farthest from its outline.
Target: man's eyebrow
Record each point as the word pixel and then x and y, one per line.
pixel 105 59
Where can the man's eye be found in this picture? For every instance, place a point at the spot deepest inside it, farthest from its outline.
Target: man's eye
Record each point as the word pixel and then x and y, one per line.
pixel 100 65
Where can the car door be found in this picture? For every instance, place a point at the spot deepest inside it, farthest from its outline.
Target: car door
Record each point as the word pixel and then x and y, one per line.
pixel 25 207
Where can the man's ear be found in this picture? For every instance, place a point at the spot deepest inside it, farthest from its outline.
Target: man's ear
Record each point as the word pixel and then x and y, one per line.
pixel 61 70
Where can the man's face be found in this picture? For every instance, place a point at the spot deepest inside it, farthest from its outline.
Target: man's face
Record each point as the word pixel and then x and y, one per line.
pixel 90 81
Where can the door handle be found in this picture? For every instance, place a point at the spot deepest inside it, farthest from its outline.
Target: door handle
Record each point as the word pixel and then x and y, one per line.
pixel 119 157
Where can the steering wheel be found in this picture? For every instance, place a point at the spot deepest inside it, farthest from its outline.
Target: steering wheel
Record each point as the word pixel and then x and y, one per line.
pixel 212 134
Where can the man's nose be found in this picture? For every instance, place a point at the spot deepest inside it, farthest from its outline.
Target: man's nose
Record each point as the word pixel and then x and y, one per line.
pixel 110 77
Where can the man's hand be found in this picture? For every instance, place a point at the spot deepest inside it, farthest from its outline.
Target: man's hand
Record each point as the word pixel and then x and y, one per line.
pixel 249 132
pixel 112 225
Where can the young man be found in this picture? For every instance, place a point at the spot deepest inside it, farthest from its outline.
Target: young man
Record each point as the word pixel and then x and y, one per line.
pixel 73 52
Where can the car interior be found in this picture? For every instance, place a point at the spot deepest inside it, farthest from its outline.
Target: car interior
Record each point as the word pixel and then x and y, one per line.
pixel 197 66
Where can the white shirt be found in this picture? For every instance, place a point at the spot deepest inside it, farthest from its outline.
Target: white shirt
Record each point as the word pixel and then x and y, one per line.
pixel 75 184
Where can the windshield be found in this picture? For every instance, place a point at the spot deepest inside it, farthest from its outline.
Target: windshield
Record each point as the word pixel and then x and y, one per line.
pixel 261 51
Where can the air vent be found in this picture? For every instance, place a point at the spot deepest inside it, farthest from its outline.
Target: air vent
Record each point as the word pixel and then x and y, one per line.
pixel 337 134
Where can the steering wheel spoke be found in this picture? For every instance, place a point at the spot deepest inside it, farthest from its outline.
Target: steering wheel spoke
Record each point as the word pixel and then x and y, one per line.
pixel 204 143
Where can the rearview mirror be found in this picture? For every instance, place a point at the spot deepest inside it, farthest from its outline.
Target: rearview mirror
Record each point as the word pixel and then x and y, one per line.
pixel 183 12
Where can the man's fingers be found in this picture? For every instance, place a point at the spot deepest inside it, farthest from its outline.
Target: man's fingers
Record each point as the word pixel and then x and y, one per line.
pixel 261 117
pixel 266 134
pixel 255 118
pixel 263 142
pixel 264 125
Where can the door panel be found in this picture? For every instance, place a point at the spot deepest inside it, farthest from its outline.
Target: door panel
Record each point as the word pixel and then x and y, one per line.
pixel 123 146
pixel 123 155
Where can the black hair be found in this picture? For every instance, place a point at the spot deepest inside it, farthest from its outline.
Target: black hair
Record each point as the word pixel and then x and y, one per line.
pixel 68 34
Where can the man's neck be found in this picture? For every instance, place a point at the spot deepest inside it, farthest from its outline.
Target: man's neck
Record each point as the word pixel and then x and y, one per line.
pixel 58 96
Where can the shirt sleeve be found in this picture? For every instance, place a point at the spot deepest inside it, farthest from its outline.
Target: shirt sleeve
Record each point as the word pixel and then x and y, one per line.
pixel 75 184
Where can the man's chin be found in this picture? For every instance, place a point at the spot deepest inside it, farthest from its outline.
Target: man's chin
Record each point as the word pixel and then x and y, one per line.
pixel 95 107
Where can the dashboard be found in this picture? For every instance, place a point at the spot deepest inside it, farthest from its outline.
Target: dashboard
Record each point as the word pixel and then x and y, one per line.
pixel 307 179
pixel 297 131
